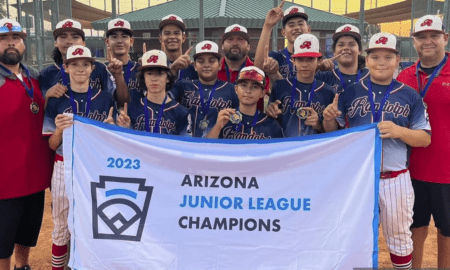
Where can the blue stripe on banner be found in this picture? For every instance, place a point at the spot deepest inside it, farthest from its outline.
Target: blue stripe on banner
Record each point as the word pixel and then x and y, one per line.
pixel 376 210
pixel 73 206
pixel 121 191
pixel 225 141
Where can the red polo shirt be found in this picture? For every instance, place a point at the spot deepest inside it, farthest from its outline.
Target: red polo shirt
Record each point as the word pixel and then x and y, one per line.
pixel 25 158
pixel 432 164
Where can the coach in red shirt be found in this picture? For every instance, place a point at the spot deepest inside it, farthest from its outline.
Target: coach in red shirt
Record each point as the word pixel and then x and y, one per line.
pixel 430 167
pixel 25 158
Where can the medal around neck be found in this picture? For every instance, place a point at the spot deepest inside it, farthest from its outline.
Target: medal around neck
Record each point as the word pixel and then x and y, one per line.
pixel 204 124
pixel 236 118
pixel 302 113
pixel 34 107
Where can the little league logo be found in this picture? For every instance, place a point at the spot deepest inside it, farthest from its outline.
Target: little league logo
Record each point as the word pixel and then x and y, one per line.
pixel 67 25
pixel 153 59
pixel 306 45
pixel 119 207
pixel 382 40
pixel 207 47
pixel 119 23
pixel 78 51
pixel 427 22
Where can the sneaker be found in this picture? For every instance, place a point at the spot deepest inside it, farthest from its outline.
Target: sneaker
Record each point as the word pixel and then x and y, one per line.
pixel 25 267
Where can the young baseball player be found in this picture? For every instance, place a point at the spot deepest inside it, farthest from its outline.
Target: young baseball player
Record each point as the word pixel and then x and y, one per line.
pixel 302 97
pixel 347 50
pixel 81 99
pixel 205 97
pixel 245 121
pixel 119 40
pixel 156 112
pixel 403 123
pixel 172 37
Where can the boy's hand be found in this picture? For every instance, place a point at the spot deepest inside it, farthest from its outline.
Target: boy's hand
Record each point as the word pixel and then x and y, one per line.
pixel 274 15
pixel 123 120
pixel 272 109
pixel 63 121
pixel 56 91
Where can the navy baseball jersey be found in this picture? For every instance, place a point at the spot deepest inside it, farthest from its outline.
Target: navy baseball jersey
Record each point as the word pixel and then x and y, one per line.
pixel 265 128
pixel 187 74
pixel 101 103
pixel 187 93
pixel 131 80
pixel 284 57
pixel 292 125
pixel 175 120
pixel 404 107
pixel 100 78
pixel 332 78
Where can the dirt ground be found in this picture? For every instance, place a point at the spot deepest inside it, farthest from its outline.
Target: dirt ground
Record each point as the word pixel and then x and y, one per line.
pixel 40 258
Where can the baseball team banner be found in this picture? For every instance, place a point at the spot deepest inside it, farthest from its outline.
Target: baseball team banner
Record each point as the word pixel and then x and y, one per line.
pixel 146 201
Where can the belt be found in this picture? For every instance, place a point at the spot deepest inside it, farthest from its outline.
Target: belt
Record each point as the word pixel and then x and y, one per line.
pixel 385 175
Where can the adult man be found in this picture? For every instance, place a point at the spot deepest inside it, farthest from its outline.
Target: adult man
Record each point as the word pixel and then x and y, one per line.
pixel 430 167
pixel 25 161
pixel 172 37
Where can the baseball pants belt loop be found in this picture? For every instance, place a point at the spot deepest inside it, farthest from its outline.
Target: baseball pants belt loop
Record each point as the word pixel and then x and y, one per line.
pixel 58 158
pixel 391 174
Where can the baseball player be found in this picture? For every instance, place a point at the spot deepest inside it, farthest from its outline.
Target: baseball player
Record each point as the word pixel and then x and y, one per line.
pixel 53 79
pixel 430 168
pixel 119 39
pixel 245 121
pixel 204 98
pixel 302 97
pixel 156 112
pixel 347 50
pixel 402 122
pixel 172 37
pixel 81 99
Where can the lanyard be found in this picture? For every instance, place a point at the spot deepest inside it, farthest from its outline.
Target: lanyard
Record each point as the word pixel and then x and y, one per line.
pixel 205 107
pixel 294 88
pixel 432 77
pixel 341 78
pixel 158 120
pixel 288 60
pixel 65 81
pixel 255 119
pixel 377 114
pixel 30 91
pixel 180 74
pixel 88 102
pixel 228 71
pixel 128 73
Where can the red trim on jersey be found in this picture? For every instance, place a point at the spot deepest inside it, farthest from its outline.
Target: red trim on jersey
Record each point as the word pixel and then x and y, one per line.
pixel 392 174
pixel 59 158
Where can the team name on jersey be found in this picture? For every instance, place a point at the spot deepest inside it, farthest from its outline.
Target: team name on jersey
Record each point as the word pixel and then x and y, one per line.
pixel 131 84
pixel 362 105
pixel 231 133
pixel 300 103
pixel 189 99
pixel 167 124
pixel 95 115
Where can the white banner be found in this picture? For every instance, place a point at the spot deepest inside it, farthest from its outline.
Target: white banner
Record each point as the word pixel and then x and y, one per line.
pixel 145 201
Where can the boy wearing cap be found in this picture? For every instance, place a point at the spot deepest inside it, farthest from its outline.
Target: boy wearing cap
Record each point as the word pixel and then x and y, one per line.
pixel 172 37
pixel 204 98
pixel 430 167
pixel 156 112
pixel 302 97
pixel 347 48
pixel 402 122
pixel 81 99
pixel 53 79
pixel 119 39
pixel 26 157
pixel 245 121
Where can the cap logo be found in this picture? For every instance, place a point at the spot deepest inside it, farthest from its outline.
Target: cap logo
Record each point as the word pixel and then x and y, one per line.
pixel 294 10
pixel 172 18
pixel 382 40
pixel 427 22
pixel 347 29
pixel 207 47
pixel 79 51
pixel 153 59
pixel 67 24
pixel 251 75
pixel 119 23
pixel 9 25
pixel 306 45
pixel 236 29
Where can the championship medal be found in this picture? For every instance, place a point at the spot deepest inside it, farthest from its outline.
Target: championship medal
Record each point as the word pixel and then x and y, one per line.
pixel 236 118
pixel 302 113
pixel 204 124
pixel 34 107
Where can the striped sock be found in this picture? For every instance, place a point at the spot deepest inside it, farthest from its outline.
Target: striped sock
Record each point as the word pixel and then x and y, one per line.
pixel 59 257
pixel 401 262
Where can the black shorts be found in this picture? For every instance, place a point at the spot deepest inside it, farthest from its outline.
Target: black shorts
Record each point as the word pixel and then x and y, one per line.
pixel 432 199
pixel 20 222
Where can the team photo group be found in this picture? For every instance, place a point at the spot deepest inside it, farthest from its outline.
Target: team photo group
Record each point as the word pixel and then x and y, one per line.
pixel 202 93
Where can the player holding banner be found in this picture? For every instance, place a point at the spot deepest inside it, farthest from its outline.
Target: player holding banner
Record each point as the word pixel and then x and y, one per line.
pixel 402 122
pixel 84 100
